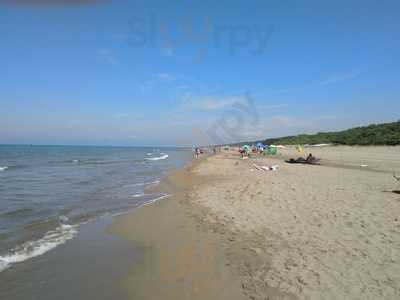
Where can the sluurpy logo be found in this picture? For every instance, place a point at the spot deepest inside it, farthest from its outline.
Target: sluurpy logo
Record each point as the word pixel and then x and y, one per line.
pixel 199 36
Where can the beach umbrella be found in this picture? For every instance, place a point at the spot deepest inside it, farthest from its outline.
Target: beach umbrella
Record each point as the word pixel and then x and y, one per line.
pixel 300 149
pixel 272 150
pixel 260 145
pixel 245 147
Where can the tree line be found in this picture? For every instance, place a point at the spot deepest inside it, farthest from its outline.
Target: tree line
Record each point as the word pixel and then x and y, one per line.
pixel 374 134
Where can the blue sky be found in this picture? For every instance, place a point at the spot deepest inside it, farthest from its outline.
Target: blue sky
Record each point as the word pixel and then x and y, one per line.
pixel 188 73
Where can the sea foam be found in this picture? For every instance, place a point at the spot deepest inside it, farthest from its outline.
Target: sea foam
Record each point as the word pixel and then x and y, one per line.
pixel 156 199
pixel 146 183
pixel 38 247
pixel 138 195
pixel 165 156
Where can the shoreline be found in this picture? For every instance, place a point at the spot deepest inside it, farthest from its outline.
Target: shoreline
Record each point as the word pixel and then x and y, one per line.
pixel 302 232
pixel 181 260
pixel 56 233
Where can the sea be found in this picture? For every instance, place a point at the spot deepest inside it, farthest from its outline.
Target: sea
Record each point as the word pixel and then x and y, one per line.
pixel 55 203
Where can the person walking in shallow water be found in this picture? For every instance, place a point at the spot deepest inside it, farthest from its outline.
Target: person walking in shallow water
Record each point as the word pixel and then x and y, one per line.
pixel 197 151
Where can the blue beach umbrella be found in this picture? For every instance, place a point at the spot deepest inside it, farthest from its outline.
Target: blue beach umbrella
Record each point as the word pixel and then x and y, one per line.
pixel 260 145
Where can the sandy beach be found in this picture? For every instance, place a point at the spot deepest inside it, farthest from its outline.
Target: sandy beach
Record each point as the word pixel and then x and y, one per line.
pixel 229 231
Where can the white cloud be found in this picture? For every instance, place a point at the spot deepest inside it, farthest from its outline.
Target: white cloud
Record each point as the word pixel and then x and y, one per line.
pixel 288 121
pixel 165 76
pixel 340 78
pixel 272 107
pixel 273 126
pixel 108 56
pixel 214 103
pixel 154 81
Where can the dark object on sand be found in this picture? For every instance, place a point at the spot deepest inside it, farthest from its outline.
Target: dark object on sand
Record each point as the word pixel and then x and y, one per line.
pixel 310 160
pixel 396 177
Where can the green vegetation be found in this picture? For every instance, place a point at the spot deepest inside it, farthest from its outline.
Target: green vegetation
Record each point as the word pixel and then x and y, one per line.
pixel 375 134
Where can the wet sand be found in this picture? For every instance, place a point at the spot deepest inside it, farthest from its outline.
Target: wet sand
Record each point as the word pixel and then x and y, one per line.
pixel 229 231
pixel 182 259
pixel 89 266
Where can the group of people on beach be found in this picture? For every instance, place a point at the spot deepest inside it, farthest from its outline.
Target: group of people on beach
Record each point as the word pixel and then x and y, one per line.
pixel 245 153
pixel 199 151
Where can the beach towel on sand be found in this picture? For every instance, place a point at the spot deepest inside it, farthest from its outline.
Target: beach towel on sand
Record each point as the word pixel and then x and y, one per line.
pixel 266 168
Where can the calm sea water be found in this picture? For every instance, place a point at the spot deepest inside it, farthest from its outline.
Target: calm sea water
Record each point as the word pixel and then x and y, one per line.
pixel 47 193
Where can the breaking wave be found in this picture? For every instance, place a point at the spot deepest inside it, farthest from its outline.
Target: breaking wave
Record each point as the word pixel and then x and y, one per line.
pixel 146 183
pixel 165 156
pixel 38 247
